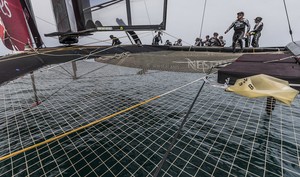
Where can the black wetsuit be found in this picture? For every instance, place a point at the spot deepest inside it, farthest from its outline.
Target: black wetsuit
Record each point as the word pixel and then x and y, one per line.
pixel 239 31
pixel 177 43
pixel 256 33
pixel 215 41
pixel 156 40
pixel 198 43
pixel 168 43
pixel 223 42
pixel 116 41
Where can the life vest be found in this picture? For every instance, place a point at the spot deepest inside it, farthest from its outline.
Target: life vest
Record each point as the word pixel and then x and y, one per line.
pixel 239 25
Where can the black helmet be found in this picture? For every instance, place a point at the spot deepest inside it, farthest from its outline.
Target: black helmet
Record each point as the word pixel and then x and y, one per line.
pixel 240 13
pixel 111 36
pixel 258 19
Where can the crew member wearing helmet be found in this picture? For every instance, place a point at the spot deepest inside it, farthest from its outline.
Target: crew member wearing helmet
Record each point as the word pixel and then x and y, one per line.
pixel 215 41
pixel 178 42
pixel 198 42
pixel 239 26
pixel 256 32
pixel 157 39
pixel 115 40
pixel 168 43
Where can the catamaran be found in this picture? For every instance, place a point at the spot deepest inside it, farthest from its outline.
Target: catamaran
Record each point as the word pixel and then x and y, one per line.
pixel 141 110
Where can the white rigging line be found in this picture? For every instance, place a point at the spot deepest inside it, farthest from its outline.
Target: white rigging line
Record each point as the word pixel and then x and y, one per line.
pixel 288 20
pixel 202 21
pixel 147 11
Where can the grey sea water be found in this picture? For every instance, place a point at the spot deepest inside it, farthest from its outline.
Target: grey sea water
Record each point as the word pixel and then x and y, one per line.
pixel 225 135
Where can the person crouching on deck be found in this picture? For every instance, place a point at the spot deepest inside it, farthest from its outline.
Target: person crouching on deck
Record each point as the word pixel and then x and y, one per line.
pixel 115 40
pixel 215 41
pixel 178 42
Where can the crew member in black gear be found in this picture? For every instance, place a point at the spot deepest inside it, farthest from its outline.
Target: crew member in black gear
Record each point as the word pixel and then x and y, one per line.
pixel 215 41
pixel 157 39
pixel 115 40
pixel 206 42
pixel 239 26
pixel 223 42
pixel 168 43
pixel 178 42
pixel 256 32
pixel 198 42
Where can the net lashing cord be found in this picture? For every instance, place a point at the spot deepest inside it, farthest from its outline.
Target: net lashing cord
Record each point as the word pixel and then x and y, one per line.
pixel 175 137
pixel 122 55
pixel 92 123
pixel 65 85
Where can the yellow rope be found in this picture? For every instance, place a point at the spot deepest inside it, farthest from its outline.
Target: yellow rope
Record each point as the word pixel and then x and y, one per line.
pixel 77 129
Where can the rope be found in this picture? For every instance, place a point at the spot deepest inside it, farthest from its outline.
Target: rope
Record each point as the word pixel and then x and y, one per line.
pixel 175 137
pixel 285 58
pixel 147 12
pixel 177 133
pixel 288 19
pixel 77 129
pixel 202 21
pixel 91 124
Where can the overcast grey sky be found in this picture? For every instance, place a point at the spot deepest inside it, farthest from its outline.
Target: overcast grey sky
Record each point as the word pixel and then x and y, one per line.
pixel 184 21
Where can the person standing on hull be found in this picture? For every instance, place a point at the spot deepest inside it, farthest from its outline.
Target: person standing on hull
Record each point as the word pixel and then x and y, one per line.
pixel 256 32
pixel 157 38
pixel 239 26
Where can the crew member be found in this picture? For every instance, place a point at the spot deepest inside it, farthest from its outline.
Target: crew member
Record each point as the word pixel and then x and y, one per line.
pixel 178 42
pixel 214 41
pixel 198 42
pixel 223 41
pixel 239 26
pixel 256 32
pixel 157 39
pixel 168 43
pixel 115 40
